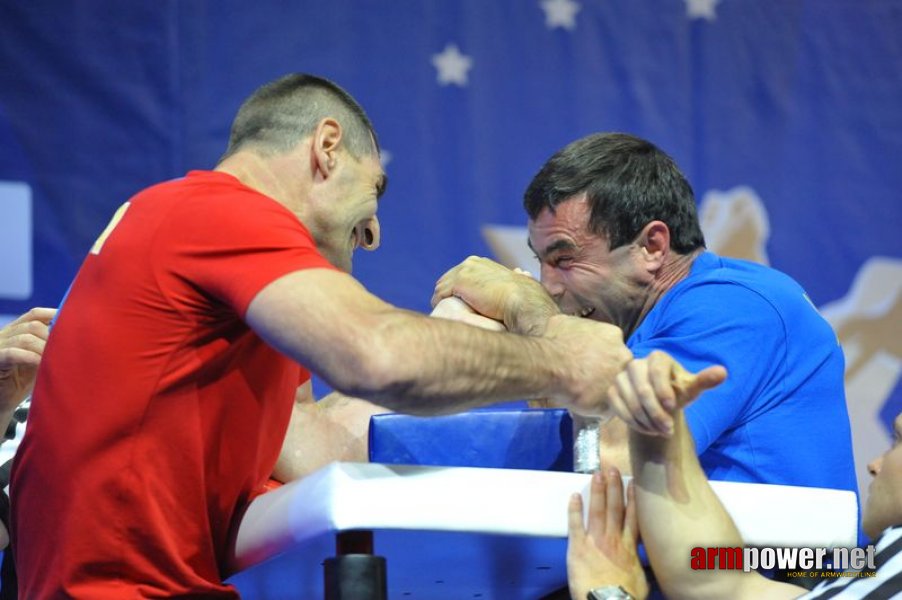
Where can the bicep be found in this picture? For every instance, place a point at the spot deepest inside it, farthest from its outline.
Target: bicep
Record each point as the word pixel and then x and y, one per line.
pixel 319 317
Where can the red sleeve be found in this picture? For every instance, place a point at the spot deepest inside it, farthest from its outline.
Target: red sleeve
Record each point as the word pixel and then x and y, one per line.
pixel 230 246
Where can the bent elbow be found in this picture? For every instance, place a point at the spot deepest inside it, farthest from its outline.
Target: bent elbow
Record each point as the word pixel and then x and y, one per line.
pixel 373 375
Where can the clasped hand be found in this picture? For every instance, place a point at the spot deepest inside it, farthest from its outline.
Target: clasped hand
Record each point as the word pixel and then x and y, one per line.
pixel 21 346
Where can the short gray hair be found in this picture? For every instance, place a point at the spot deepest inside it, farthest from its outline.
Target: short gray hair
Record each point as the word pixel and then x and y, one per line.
pixel 281 113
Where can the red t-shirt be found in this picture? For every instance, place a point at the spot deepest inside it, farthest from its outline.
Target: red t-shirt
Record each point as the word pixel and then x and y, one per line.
pixel 158 413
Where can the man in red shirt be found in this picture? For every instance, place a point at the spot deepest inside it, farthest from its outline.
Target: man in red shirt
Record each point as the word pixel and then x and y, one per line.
pixel 168 383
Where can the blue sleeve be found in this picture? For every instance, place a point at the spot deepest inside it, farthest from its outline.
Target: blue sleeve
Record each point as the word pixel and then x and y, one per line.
pixel 720 323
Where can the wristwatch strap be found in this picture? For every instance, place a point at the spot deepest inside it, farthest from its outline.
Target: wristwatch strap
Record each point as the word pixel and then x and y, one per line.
pixel 609 592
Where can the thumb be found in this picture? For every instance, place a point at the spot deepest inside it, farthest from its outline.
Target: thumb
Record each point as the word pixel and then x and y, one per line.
pixel 689 386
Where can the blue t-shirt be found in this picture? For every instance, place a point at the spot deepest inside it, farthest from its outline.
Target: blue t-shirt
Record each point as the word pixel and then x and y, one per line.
pixel 781 416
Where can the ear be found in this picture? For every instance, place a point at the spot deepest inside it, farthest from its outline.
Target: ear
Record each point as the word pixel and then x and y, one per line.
pixel 326 142
pixel 654 243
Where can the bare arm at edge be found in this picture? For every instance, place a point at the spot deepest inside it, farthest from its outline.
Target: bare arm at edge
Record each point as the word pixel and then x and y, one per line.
pixel 405 361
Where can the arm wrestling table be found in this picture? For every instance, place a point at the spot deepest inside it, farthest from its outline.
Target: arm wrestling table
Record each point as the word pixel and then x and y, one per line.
pixel 464 532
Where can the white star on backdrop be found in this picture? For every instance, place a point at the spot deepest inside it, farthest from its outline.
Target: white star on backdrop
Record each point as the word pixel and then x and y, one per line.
pixel 560 13
pixel 452 66
pixel 702 9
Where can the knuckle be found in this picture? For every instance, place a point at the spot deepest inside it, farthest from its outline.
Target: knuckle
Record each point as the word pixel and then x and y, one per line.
pixel 645 391
pixel 33 327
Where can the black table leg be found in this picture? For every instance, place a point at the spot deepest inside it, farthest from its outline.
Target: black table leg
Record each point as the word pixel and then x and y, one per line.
pixel 355 573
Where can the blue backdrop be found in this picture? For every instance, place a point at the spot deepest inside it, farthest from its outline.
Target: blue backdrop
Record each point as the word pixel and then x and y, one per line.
pixel 784 114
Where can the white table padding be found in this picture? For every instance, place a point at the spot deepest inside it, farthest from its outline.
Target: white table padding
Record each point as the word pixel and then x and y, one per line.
pixel 347 496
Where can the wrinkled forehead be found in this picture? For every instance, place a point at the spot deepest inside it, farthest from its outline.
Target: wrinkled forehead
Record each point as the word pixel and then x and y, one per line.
pixel 571 215
pixel 568 221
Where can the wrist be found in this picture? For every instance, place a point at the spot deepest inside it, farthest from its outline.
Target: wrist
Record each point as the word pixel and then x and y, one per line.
pixel 554 364
pixel 529 315
pixel 660 444
pixel 648 445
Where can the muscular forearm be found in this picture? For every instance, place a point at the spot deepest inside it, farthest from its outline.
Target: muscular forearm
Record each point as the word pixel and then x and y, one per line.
pixel 409 362
pixel 678 511
pixel 454 366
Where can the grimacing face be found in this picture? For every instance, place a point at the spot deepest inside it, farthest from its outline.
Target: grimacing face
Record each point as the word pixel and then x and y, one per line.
pixel 351 220
pixel 884 504
pixel 578 269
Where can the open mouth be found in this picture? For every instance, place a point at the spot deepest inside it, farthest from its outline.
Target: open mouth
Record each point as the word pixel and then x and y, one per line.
pixel 368 237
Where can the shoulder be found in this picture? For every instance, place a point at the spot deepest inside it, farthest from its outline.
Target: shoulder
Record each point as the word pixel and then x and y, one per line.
pixel 722 301
pixel 715 306
pixel 718 286
pixel 716 273
pixel 209 205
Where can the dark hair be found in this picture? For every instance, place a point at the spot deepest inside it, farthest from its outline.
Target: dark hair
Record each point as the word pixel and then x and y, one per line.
pixel 279 114
pixel 628 182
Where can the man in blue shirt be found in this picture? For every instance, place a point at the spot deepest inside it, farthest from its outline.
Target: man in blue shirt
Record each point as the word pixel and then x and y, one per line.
pixel 613 223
